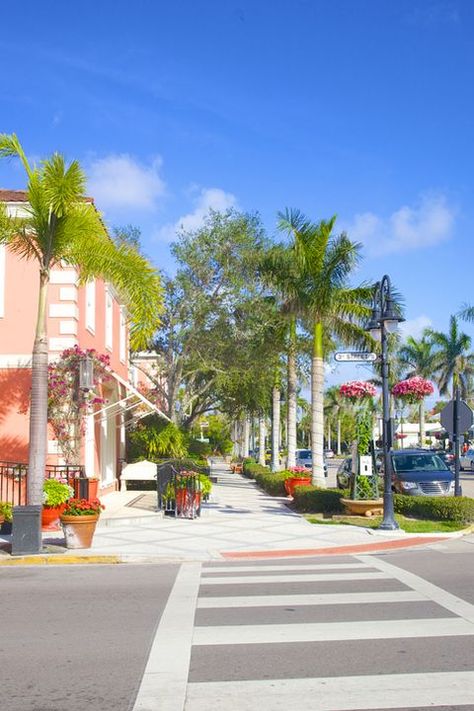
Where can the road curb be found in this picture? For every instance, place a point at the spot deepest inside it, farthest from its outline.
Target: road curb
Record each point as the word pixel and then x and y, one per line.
pixel 58 559
pixel 334 550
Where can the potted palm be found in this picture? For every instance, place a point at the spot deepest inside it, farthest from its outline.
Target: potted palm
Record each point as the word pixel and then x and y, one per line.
pixel 78 520
pixel 55 495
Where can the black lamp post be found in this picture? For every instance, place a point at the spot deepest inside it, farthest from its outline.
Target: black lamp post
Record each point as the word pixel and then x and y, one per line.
pixel 385 320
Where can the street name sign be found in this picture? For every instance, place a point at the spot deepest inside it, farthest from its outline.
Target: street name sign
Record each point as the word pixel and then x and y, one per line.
pixel 355 357
pixel 465 417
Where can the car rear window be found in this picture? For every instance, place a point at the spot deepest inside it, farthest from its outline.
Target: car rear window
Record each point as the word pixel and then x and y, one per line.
pixel 419 463
pixel 304 455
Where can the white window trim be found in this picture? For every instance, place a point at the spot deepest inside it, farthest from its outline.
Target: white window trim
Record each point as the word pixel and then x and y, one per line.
pixel 123 335
pixel 90 305
pixel 109 319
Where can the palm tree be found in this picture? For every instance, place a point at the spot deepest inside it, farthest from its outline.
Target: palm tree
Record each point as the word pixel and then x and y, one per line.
pixel 60 226
pixel 333 407
pixel 453 363
pixel 418 358
pixel 330 308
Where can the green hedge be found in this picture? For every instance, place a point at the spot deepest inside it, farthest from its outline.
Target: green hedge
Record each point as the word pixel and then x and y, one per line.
pixel 310 499
pixel 435 508
pixel 272 483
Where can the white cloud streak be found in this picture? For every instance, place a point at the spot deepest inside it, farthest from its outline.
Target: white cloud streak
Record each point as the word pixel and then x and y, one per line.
pixel 427 223
pixel 414 327
pixel 208 199
pixel 119 181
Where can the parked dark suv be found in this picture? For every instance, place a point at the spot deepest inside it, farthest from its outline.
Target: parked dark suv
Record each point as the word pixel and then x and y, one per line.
pixel 420 472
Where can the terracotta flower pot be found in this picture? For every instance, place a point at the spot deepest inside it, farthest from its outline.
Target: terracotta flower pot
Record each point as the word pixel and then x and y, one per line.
pixel 79 530
pixel 296 481
pixel 50 517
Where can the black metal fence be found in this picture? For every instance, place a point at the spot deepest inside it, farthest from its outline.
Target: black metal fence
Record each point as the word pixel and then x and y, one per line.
pixel 179 491
pixel 14 480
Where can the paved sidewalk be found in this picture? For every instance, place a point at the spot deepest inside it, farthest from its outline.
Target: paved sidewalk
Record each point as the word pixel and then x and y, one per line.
pixel 239 521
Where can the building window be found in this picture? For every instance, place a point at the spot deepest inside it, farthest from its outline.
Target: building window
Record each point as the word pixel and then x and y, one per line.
pixel 109 319
pixel 2 280
pixel 123 334
pixel 90 305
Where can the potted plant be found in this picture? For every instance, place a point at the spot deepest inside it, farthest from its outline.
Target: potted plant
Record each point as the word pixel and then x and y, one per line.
pixel 186 490
pixel 6 517
pixel 55 495
pixel 78 520
pixel 297 476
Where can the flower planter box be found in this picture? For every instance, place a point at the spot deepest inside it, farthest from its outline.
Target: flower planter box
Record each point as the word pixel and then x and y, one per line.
pixel 50 517
pixel 293 481
pixel 363 507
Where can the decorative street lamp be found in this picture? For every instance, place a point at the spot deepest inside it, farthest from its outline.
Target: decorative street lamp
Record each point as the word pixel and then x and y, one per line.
pixel 399 415
pixel 385 319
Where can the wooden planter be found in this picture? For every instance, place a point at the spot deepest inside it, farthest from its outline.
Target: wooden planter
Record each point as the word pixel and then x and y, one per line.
pixel 79 530
pixel 363 507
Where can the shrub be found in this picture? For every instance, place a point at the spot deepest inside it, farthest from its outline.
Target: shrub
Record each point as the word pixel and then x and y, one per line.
pixel 436 508
pixel 6 510
pixel 56 492
pixel 196 446
pixel 272 483
pixel 310 499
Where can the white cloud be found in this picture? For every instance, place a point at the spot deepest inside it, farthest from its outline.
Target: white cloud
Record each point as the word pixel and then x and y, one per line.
pixel 425 224
pixel 208 199
pixel 414 327
pixel 119 181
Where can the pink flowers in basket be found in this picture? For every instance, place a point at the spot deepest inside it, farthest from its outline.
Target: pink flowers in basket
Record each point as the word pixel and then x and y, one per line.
pixel 412 390
pixel 357 390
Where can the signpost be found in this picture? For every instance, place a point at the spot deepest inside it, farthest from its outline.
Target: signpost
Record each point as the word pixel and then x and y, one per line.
pixel 456 417
pixel 355 357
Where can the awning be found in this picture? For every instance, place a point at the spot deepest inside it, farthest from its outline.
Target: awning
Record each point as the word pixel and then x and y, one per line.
pixel 132 400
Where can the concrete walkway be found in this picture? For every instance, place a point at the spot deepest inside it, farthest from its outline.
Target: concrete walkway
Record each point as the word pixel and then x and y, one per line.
pixel 239 521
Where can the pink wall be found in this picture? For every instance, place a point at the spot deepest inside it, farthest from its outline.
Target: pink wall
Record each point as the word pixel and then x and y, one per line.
pixel 17 327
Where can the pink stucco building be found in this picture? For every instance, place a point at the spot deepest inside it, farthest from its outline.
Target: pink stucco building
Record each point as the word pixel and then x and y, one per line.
pixel 90 316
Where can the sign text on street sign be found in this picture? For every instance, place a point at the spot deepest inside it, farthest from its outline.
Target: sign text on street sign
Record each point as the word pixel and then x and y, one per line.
pixel 355 356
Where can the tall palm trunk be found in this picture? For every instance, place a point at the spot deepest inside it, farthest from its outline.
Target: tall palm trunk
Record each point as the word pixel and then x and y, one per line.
pixel 421 418
pixel 338 436
pixel 39 400
pixel 329 436
pixel 317 407
pixel 261 440
pixel 291 415
pixel 275 428
pixel 245 437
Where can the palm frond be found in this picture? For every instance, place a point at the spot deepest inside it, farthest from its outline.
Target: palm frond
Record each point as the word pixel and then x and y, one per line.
pixel 10 147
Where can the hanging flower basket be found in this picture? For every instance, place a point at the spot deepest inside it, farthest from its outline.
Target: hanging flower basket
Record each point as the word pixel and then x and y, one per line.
pixel 357 390
pixel 412 390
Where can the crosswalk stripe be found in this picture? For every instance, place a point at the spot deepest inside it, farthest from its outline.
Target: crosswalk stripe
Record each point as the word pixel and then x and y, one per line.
pixel 276 568
pixel 331 631
pixel 424 587
pixel 351 693
pixel 316 599
pixel 304 578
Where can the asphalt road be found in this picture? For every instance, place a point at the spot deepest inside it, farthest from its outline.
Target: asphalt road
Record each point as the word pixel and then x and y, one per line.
pixel 331 633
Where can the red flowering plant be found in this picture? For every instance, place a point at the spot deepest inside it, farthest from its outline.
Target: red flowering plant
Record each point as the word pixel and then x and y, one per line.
pixel 83 507
pixel 357 390
pixel 68 405
pixel 412 390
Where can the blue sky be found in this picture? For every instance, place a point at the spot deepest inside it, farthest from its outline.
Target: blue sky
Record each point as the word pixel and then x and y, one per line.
pixel 362 108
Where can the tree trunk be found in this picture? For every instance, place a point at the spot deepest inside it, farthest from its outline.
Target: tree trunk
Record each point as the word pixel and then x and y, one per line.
pixel 38 445
pixel 421 417
pixel 261 440
pixel 338 436
pixel 245 437
pixel 275 428
pixel 291 419
pixel 329 436
pixel 317 407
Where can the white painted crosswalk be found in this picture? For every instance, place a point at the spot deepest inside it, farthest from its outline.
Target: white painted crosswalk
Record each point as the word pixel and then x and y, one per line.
pixel 219 649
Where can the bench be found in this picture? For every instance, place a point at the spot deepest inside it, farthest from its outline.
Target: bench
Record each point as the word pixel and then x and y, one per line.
pixel 139 471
